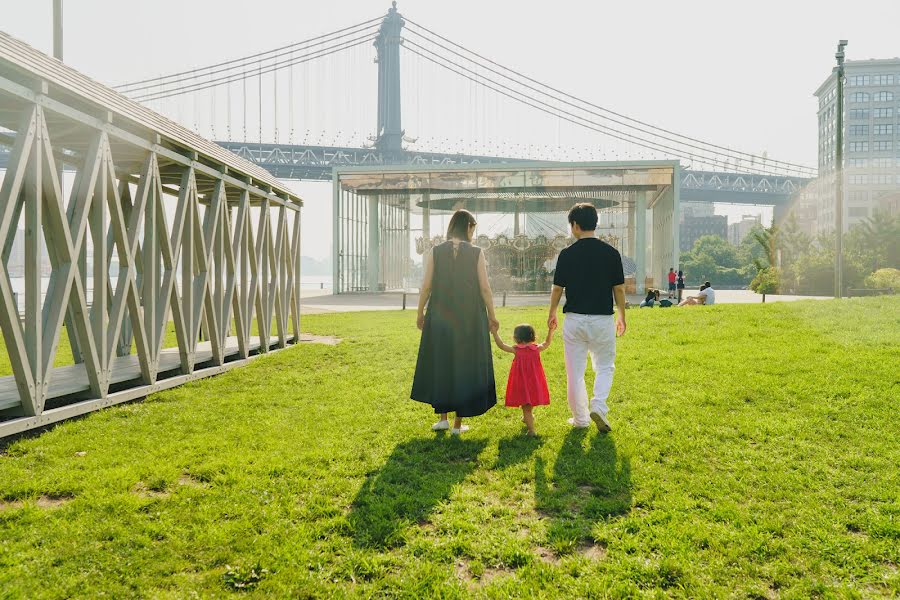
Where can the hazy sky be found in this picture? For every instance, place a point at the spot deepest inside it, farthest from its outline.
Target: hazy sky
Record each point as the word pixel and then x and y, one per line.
pixel 739 74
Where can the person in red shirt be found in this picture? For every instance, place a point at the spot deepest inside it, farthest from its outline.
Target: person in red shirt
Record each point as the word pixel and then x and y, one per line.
pixel 672 278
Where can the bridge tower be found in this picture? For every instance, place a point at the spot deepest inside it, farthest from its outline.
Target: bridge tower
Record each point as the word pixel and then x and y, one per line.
pixel 389 133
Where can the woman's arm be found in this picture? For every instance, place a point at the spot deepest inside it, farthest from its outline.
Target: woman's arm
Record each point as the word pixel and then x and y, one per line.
pixel 425 290
pixel 502 345
pixel 486 294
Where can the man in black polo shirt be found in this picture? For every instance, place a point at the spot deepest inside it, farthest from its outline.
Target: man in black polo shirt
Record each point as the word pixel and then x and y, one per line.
pixel 590 271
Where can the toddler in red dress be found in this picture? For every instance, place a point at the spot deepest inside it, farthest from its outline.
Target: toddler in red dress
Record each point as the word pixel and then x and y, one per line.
pixel 527 385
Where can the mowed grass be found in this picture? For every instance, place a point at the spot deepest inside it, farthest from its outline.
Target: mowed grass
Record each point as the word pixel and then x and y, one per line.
pixel 754 454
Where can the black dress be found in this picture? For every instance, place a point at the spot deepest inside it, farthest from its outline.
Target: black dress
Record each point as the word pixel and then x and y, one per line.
pixel 455 368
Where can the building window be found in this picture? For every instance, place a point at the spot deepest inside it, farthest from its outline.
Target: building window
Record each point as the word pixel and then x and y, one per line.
pixel 884 130
pixel 858 97
pixel 857 163
pixel 859 146
pixel 884 97
pixel 856 80
pixel 859 130
pixel 858 212
pixel 859 113
pixel 881 146
pixel 859 196
pixel 883 163
pixel 881 113
pixel 859 179
pixel 882 80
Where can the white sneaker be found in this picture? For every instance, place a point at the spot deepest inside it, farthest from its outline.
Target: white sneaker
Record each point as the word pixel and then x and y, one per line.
pixel 441 425
pixel 600 421
pixel 571 421
pixel 456 431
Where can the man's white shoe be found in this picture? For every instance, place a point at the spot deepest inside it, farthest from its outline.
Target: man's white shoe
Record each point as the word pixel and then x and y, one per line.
pixel 456 431
pixel 571 421
pixel 441 425
pixel 600 421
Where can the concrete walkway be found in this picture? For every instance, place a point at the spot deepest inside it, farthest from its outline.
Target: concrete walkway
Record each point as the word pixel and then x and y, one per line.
pixel 322 301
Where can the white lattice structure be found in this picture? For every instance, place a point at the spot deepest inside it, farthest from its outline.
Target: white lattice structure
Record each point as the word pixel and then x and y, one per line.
pixel 166 226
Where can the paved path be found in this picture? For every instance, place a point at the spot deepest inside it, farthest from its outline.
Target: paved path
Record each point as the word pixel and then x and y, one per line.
pixel 322 301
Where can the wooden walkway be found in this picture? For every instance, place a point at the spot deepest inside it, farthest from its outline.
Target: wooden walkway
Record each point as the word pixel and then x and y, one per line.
pixel 68 383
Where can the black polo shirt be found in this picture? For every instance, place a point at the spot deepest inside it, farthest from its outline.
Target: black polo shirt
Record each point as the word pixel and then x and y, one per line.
pixel 588 270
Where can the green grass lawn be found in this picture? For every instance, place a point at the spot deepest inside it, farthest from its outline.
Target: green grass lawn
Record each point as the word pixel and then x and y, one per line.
pixel 754 454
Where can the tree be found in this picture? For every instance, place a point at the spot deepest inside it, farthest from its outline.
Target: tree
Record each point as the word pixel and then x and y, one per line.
pixel 767 281
pixel 875 242
pixel 714 259
pixel 767 240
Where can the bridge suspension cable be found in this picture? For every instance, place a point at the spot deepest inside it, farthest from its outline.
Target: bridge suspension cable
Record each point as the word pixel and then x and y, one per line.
pixel 523 80
pixel 576 119
pixel 245 61
pixel 257 70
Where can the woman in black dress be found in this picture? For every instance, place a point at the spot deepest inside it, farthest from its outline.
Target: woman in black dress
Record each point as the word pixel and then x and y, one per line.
pixel 455 368
pixel 679 284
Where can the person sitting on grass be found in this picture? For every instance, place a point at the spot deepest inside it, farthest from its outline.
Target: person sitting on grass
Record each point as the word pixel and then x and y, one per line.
pixel 527 384
pixel 651 299
pixel 706 297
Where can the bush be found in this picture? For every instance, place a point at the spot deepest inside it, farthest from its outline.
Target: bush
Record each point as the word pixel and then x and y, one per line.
pixel 884 278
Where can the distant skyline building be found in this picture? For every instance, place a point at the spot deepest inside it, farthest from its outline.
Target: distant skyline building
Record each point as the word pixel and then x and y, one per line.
pixel 871 142
pixel 693 228
pixel 738 231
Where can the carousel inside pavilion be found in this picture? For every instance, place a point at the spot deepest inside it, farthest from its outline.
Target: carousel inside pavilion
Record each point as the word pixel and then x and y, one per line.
pixel 388 218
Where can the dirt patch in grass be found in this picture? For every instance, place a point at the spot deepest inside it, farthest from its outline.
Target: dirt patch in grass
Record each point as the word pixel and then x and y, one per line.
pixel 42 501
pixel 475 576
pixel 10 504
pixel 53 501
pixel 592 551
pixel 328 340
pixel 545 555
pixel 144 491
pixel 188 481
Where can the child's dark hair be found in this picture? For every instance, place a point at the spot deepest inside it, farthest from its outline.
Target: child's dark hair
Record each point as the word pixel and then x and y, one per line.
pixel 523 334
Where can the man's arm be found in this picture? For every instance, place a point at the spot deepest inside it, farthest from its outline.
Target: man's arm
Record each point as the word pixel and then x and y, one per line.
pixel 555 296
pixel 619 294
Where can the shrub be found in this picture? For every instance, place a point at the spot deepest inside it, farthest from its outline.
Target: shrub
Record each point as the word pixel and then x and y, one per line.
pixel 884 278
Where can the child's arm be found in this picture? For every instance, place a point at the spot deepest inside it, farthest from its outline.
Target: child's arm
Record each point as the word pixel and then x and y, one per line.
pixel 502 345
pixel 549 339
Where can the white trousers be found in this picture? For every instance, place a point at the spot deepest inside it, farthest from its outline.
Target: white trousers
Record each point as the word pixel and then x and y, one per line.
pixel 594 335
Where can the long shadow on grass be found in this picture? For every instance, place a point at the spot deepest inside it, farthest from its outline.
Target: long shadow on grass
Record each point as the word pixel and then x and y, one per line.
pixel 590 483
pixel 417 476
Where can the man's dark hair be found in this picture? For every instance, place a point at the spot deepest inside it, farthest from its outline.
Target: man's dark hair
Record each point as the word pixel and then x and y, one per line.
pixel 585 215
pixel 523 334
pixel 459 225
pixel 707 284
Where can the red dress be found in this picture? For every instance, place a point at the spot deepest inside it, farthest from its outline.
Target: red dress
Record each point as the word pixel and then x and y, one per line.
pixel 527 383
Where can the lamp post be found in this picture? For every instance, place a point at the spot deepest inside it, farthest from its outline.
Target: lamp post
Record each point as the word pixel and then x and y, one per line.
pixel 839 174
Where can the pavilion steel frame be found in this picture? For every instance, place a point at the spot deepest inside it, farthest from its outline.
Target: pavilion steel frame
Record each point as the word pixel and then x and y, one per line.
pixel 192 234
pixel 372 235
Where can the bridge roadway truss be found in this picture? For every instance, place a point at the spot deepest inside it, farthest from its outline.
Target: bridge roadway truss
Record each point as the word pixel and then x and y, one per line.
pixel 192 235
pixel 316 163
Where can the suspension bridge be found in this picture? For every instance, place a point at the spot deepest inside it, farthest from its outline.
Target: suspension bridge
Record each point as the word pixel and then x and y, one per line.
pixel 255 101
